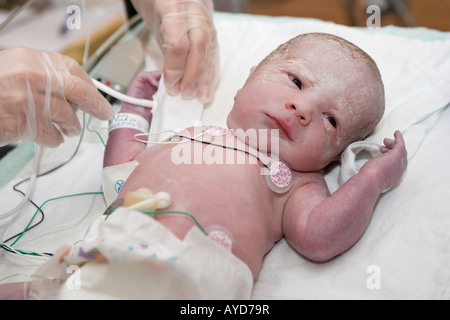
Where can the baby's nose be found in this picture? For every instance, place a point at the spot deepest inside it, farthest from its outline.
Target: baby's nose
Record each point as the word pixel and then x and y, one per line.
pixel 302 111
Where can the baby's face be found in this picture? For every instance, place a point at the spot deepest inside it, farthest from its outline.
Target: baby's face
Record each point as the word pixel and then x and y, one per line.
pixel 312 97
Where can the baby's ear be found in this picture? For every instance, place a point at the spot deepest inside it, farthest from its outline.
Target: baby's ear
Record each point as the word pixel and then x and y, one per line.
pixel 252 69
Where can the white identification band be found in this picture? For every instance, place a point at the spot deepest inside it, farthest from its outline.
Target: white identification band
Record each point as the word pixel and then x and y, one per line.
pixel 129 121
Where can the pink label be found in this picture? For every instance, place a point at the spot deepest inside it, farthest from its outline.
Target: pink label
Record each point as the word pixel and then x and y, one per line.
pixel 221 238
pixel 280 174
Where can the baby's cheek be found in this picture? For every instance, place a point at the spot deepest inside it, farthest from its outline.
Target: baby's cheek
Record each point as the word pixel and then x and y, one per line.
pixel 236 119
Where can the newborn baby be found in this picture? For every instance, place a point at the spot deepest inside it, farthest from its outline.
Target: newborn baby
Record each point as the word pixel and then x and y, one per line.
pixel 246 186
pixel 318 93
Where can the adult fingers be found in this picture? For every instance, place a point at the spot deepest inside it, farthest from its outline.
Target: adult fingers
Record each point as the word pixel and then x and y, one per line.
pixel 79 89
pixel 86 97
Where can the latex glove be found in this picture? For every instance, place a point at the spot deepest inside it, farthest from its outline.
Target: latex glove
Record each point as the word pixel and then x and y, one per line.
pixel 187 37
pixel 35 88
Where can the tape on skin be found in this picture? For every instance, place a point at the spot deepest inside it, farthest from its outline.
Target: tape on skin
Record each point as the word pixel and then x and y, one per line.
pixel 280 178
pixel 221 236
pixel 129 121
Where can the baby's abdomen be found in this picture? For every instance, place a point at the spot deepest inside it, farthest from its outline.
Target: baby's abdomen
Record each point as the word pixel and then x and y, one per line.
pixel 230 196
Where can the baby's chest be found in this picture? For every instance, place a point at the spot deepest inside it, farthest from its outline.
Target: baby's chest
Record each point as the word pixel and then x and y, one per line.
pixel 214 164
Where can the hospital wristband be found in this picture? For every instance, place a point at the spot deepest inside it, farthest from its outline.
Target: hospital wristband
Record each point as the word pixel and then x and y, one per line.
pixel 129 121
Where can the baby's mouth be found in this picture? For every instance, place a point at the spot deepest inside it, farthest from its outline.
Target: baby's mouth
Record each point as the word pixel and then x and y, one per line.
pixel 281 125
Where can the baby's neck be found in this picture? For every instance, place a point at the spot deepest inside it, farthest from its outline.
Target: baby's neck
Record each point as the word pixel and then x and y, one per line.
pixel 278 175
pixel 262 141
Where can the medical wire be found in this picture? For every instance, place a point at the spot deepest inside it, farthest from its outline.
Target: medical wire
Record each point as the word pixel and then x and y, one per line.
pixel 49 200
pixel 88 128
pixel 33 178
pixel 167 212
pixel 10 248
pixel 28 227
pixel 31 185
pixel 180 213
pixel 174 133
pixel 104 47
pixel 38 148
pixel 35 175
pixel 224 147
pixel 88 32
pixel 25 253
pixel 123 97
pixel 15 13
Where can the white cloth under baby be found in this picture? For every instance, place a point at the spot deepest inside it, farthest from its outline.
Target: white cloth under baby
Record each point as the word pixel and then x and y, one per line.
pixel 172 113
pixel 132 256
pixel 354 157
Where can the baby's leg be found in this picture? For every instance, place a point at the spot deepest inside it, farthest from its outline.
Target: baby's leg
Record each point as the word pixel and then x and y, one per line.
pixel 121 146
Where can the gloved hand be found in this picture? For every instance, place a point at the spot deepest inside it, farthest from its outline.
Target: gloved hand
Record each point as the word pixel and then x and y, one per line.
pixel 187 37
pixel 35 90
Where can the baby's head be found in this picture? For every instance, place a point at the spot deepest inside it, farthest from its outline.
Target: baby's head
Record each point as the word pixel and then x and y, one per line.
pixel 322 93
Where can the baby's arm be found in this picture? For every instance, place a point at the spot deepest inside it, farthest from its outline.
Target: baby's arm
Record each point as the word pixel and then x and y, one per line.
pixel 12 291
pixel 121 146
pixel 321 226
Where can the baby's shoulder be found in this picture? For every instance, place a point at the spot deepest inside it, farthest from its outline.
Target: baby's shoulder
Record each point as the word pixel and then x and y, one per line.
pixel 305 180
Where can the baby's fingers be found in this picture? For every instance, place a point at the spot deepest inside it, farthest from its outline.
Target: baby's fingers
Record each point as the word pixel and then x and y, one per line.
pixel 388 145
pixel 400 145
pixel 397 148
pixel 399 137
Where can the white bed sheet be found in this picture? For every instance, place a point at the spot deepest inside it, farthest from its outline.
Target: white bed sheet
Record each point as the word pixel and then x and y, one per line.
pixel 403 254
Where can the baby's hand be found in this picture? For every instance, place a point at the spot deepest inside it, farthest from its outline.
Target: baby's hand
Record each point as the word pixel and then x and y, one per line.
pixel 389 167
pixel 121 146
pixel 144 86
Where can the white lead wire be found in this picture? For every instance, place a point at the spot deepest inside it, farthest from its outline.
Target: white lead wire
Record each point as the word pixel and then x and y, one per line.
pixel 123 97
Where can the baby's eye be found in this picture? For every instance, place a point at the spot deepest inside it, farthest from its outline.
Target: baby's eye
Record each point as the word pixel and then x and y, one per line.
pixel 296 81
pixel 332 120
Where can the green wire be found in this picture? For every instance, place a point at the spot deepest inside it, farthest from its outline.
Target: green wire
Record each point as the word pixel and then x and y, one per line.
pixel 53 199
pixel 165 212
pixel 95 131
pixel 95 193
pixel 178 212
pixel 9 248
